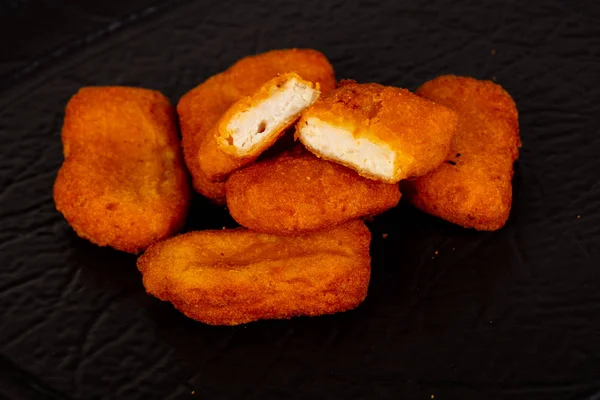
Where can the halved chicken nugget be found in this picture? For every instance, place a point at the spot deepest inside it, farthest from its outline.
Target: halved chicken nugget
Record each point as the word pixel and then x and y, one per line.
pixel 230 277
pixel 382 132
pixel 123 183
pixel 254 123
pixel 297 192
pixel 473 187
pixel 201 108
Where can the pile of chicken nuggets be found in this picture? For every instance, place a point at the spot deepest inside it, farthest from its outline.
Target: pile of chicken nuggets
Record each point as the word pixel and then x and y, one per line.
pixel 299 159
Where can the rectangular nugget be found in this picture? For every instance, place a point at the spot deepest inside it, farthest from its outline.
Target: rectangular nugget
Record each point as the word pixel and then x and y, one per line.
pixel 473 187
pixel 234 276
pixel 383 133
pixel 123 183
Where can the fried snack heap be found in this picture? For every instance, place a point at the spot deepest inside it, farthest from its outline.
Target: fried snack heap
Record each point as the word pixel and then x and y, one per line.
pixel 383 133
pixel 123 183
pixel 473 187
pixel 230 277
pixel 297 192
pixel 201 108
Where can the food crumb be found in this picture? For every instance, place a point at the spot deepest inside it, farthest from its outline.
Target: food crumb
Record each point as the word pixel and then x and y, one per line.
pixel 193 391
pixel 436 252
pixel 223 228
pixel 432 396
pixel 579 216
pixel 493 52
pixel 453 249
pixel 384 235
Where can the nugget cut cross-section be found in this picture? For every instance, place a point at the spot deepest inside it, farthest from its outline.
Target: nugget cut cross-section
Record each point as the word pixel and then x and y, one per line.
pixel 382 132
pixel 297 192
pixel 254 123
pixel 230 277
pixel 123 183
pixel 201 108
pixel 473 187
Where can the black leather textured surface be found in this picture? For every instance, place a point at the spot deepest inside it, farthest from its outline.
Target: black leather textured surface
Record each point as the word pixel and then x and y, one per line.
pixel 451 313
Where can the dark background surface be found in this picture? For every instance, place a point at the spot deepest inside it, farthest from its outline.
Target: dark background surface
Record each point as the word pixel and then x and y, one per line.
pixel 512 314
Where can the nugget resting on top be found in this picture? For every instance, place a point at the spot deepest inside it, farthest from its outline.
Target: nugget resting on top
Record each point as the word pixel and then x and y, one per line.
pixel 123 183
pixel 230 277
pixel 297 192
pixel 254 123
pixel 383 133
pixel 473 187
pixel 201 108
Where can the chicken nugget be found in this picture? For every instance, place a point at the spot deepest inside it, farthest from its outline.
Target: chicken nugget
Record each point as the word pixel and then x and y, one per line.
pixel 122 183
pixel 254 123
pixel 473 187
pixel 230 277
pixel 297 192
pixel 201 108
pixel 383 133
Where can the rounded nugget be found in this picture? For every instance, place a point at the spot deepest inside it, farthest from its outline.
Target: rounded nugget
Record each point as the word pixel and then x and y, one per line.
pixel 201 108
pixel 123 183
pixel 383 133
pixel 297 192
pixel 230 277
pixel 473 187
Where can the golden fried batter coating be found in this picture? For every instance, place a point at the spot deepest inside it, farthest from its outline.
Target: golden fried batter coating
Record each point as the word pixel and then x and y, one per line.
pixel 383 133
pixel 123 183
pixel 473 187
pixel 200 109
pixel 230 277
pixel 297 193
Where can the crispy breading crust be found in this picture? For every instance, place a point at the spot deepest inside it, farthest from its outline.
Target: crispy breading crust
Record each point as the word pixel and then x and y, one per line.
pixel 230 277
pixel 473 188
pixel 123 183
pixel 417 130
pixel 200 109
pixel 297 192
